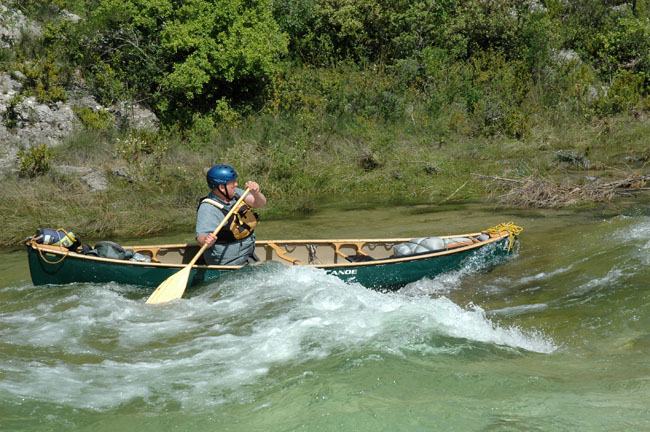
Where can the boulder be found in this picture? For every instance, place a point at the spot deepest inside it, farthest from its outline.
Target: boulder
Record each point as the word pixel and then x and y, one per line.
pixel 14 26
pixel 134 116
pixel 35 123
pixel 95 180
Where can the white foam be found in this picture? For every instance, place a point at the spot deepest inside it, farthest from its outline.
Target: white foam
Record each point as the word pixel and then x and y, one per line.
pixel 546 275
pixel 639 229
pixel 101 349
pixel 520 309
pixel 638 237
pixel 610 279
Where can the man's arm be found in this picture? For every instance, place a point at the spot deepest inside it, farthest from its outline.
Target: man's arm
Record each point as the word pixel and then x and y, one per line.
pixel 255 198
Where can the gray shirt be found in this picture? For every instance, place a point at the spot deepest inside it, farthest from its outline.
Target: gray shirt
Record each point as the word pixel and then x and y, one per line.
pixel 208 217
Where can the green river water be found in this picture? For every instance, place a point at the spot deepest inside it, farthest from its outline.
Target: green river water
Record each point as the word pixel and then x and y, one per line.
pixel 555 339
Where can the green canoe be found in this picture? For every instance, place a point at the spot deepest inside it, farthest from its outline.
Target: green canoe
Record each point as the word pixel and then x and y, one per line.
pixel 369 262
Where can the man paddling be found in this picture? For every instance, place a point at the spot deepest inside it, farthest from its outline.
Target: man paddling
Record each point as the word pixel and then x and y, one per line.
pixel 234 244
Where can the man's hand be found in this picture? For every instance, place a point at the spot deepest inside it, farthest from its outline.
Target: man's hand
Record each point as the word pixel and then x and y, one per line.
pixel 208 239
pixel 255 198
pixel 253 186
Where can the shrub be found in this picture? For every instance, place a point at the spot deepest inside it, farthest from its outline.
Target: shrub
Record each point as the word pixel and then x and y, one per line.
pixel 439 78
pixel 494 94
pixel 625 92
pixel 348 90
pixel 94 120
pixel 107 84
pixel 43 79
pixel 34 162
pixel 202 131
pixel 625 46
pixel 181 58
pixel 10 116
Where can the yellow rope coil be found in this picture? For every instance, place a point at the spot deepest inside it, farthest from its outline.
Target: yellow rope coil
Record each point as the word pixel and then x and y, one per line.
pixel 40 252
pixel 35 244
pixel 512 229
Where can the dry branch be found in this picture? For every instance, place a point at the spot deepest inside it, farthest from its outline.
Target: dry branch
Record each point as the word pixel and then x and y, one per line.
pixel 537 192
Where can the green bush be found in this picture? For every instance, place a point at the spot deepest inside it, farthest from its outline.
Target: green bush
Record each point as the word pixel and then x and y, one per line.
pixel 108 85
pixel 625 92
pixel 10 116
pixel 180 58
pixel 495 93
pixel 6 55
pixel 94 120
pixel 439 78
pixel 624 46
pixel 44 79
pixel 324 32
pixel 346 91
pixel 34 162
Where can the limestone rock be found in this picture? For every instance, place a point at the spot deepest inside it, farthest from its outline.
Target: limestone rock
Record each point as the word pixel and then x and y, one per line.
pixel 134 116
pixel 14 26
pixel 26 123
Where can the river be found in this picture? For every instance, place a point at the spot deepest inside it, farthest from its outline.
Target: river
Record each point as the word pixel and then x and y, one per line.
pixel 555 339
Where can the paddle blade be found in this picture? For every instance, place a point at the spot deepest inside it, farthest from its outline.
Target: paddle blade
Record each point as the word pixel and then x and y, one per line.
pixel 172 288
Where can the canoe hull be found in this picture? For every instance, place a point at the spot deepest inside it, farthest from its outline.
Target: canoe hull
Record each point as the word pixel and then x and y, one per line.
pixel 51 267
pixel 45 270
pixel 398 274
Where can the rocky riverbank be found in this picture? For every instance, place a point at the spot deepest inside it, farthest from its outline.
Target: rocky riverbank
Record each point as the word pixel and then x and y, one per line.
pixel 26 122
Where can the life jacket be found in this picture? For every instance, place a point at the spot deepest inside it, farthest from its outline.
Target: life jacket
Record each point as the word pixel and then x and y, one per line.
pixel 239 226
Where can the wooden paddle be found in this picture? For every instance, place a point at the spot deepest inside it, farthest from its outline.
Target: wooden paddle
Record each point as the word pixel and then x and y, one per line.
pixel 174 286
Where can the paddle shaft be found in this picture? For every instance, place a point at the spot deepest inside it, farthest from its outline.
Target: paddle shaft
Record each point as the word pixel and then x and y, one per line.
pixel 218 228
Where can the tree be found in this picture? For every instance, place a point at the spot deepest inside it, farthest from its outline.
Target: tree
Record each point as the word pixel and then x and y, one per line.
pixel 182 58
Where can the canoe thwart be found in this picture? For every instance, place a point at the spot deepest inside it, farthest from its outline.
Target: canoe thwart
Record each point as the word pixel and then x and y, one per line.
pixel 283 254
pixel 359 254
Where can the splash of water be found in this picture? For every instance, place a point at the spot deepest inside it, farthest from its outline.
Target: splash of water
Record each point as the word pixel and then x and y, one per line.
pixel 98 347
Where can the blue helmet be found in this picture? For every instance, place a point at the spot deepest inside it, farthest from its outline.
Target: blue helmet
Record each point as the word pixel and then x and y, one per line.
pixel 220 174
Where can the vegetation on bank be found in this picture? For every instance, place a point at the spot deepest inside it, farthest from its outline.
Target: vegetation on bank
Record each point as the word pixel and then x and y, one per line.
pixel 365 102
pixel 155 188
